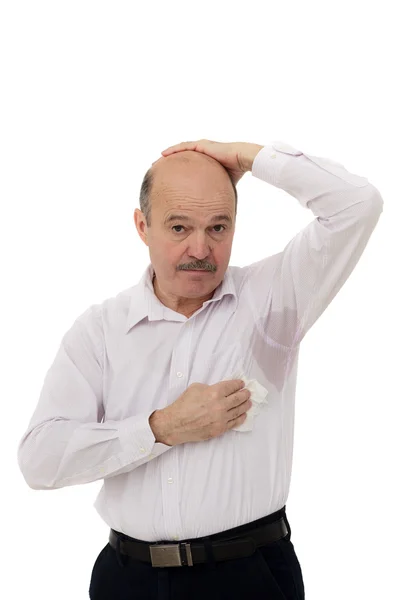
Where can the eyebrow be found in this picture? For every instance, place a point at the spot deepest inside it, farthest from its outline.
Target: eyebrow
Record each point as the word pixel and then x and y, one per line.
pixel 226 218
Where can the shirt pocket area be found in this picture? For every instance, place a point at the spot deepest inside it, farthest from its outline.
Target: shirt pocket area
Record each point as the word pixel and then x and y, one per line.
pixel 219 365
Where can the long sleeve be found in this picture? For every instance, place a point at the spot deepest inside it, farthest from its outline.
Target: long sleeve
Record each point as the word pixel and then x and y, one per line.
pixel 315 264
pixel 66 443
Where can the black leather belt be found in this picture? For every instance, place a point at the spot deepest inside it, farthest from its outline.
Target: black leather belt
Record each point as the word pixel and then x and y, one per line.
pixel 190 553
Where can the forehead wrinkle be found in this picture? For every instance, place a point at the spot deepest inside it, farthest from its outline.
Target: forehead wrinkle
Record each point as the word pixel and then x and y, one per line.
pixel 180 217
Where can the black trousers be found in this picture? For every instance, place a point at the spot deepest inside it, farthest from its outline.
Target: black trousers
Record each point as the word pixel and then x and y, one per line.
pixel 273 572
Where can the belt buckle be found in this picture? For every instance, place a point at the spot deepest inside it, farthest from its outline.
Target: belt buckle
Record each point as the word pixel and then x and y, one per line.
pixel 168 555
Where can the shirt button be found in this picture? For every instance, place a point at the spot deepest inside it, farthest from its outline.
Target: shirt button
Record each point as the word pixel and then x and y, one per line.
pixel 142 450
pixel 170 480
pixel 151 455
pixel 179 374
pixel 273 155
pixel 175 537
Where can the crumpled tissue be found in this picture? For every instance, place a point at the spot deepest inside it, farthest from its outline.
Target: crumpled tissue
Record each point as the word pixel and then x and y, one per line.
pixel 258 397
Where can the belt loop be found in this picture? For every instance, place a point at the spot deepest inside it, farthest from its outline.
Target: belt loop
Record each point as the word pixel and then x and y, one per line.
pixel 209 552
pixel 287 524
pixel 118 552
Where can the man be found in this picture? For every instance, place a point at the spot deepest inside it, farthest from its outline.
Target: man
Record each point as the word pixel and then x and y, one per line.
pixel 144 391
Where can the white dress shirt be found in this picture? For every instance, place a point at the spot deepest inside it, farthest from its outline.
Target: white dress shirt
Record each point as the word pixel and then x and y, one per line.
pixel 131 355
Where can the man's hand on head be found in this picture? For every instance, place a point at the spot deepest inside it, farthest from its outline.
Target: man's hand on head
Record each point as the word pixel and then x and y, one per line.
pixel 236 157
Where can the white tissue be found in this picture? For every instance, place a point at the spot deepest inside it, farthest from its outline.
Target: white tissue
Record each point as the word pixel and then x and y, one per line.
pixel 258 397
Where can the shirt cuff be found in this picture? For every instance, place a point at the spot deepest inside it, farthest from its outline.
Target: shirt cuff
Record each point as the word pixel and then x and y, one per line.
pixel 268 164
pixel 137 438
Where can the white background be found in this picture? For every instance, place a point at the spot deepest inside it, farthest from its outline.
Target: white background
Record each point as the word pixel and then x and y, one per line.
pixel 92 92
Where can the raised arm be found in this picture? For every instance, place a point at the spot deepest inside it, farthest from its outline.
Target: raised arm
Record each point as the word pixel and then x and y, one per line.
pixel 307 274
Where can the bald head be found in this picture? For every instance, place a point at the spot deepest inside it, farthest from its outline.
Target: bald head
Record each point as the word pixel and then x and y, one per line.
pixel 185 174
pixel 188 157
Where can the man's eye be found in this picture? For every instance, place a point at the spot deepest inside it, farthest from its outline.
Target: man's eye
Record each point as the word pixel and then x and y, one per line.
pixel 181 226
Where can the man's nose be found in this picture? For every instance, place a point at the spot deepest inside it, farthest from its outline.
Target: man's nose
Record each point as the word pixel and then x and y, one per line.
pixel 199 247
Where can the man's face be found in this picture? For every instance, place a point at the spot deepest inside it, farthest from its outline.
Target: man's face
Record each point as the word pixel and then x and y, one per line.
pixel 201 192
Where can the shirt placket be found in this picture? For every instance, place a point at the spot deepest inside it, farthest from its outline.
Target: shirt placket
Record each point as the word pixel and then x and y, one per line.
pixel 179 377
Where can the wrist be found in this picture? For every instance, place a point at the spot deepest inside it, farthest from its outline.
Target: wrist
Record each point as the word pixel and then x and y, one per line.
pixel 249 156
pixel 160 428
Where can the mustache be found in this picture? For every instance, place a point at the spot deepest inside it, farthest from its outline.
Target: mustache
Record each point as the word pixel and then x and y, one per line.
pixel 198 265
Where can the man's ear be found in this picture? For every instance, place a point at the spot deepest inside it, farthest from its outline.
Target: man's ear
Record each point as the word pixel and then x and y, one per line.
pixel 141 226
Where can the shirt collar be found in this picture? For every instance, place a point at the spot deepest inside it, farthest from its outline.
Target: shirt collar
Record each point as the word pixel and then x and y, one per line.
pixel 144 302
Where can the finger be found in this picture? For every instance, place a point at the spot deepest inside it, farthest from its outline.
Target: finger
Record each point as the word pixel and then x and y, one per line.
pixel 179 147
